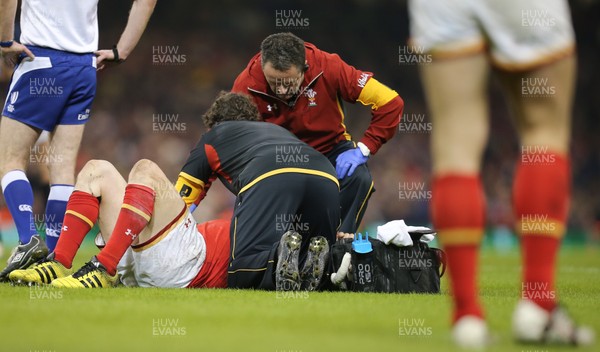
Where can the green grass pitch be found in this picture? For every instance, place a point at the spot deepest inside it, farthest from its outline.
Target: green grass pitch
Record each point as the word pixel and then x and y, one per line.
pixel 126 319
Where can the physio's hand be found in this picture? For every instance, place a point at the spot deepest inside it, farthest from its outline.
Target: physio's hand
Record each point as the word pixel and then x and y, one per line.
pixel 342 235
pixel 348 161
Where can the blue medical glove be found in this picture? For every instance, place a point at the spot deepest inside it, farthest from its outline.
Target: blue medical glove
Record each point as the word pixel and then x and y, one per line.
pixel 348 161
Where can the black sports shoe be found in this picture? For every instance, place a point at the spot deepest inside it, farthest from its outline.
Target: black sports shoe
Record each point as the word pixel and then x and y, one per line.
pixel 24 255
pixel 43 272
pixel 314 267
pixel 287 277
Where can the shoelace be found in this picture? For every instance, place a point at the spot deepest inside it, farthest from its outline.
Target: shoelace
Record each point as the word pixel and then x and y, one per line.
pixel 86 269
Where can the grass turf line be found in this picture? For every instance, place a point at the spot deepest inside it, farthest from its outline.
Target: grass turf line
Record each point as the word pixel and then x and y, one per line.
pixel 126 319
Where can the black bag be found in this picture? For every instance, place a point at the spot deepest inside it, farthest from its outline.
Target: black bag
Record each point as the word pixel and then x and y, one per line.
pixel 411 269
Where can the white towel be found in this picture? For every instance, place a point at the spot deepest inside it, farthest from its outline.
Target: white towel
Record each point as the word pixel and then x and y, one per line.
pixel 428 238
pixel 398 233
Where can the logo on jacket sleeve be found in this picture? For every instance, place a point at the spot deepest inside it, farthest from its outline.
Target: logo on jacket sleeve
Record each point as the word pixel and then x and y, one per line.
pixel 311 94
pixel 362 80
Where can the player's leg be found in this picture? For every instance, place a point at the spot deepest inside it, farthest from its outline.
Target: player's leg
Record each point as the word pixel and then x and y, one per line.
pixel 97 180
pixel 456 95
pixel 169 251
pixel 32 86
pixel 149 205
pixel 97 198
pixel 78 78
pixel 355 191
pixel 62 154
pixel 16 139
pixel 541 194
pixel 455 84
pixel 542 179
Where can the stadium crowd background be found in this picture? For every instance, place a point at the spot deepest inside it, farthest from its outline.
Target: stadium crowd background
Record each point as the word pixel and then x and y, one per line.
pixel 151 106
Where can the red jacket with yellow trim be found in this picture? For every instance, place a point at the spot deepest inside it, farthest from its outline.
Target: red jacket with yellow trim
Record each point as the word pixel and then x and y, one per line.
pixel 316 115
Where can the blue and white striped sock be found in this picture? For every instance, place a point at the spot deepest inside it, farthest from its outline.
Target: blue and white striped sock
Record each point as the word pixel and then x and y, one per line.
pixel 19 200
pixel 55 212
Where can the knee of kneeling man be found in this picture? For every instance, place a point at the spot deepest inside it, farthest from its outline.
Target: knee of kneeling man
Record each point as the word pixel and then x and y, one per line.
pixel 361 177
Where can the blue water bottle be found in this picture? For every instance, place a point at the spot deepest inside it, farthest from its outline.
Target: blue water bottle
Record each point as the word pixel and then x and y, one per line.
pixel 362 263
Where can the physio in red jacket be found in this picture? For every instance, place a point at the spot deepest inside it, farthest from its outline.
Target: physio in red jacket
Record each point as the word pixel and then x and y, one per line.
pixel 302 88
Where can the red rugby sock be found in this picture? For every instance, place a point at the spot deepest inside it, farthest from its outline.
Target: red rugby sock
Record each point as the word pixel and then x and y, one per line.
pixel 458 213
pixel 80 217
pixel 541 200
pixel 136 212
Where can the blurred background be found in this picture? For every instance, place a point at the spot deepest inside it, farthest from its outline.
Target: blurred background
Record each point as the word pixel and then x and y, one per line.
pixel 151 105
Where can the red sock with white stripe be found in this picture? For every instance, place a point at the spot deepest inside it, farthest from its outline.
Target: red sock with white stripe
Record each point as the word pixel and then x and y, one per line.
pixel 458 213
pixel 541 202
pixel 80 217
pixel 136 212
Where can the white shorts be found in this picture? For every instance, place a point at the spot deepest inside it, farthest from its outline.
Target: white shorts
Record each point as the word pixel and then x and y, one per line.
pixel 170 259
pixel 519 34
